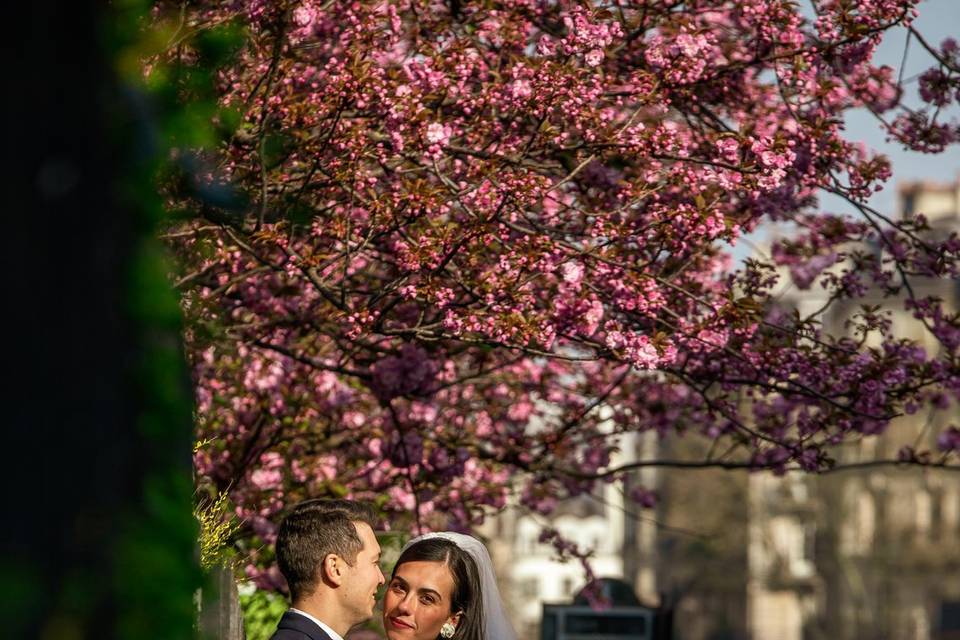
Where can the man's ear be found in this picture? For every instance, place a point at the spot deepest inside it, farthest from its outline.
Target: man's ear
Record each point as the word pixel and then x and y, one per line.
pixel 331 569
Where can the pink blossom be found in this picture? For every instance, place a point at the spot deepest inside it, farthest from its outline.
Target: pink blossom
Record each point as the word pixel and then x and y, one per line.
pixel 438 133
pixel 304 15
pixel 266 479
pixel 521 89
pixel 572 272
pixel 729 149
pixel 593 57
pixel 636 348
pixel 591 319
pixel 520 411
pixel 691 45
pixel 546 47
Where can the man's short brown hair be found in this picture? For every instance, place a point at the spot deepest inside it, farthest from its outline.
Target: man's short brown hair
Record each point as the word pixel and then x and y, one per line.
pixel 313 530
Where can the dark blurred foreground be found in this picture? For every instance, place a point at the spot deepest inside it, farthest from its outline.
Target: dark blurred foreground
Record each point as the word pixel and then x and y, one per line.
pixel 98 538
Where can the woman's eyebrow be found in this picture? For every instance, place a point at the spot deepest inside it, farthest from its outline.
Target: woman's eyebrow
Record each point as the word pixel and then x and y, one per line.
pixel 430 590
pixel 422 590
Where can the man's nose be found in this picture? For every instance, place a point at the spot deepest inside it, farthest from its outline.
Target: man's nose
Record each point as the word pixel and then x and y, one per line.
pixel 382 579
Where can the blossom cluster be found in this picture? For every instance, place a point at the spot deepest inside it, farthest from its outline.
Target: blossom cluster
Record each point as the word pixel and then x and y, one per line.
pixel 478 243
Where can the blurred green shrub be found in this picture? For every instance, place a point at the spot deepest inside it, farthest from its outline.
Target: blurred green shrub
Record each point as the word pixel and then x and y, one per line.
pixel 261 612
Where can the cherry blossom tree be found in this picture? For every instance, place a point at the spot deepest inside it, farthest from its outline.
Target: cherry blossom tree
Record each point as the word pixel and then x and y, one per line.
pixel 446 252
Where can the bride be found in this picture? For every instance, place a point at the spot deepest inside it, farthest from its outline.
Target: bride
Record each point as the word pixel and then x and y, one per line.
pixel 443 586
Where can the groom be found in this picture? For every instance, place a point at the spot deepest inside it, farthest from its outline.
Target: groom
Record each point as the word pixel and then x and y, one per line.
pixel 330 557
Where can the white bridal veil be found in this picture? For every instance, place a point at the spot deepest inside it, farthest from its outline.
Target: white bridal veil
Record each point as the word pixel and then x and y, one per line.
pixel 496 623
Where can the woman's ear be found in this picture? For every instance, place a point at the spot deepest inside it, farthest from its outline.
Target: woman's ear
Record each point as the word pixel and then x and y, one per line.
pixel 455 619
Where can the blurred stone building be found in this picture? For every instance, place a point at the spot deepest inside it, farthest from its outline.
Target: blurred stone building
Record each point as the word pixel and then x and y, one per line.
pixel 864 554
pixel 623 540
pixel 872 552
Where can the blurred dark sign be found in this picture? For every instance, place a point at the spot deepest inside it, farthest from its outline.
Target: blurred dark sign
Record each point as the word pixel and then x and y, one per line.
pixel 577 622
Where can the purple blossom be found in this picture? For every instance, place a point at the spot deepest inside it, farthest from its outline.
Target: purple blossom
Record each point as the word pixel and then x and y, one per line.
pixel 949 440
pixel 803 274
pixel 411 373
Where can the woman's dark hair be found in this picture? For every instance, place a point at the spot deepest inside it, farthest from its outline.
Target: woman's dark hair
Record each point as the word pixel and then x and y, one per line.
pixel 467 597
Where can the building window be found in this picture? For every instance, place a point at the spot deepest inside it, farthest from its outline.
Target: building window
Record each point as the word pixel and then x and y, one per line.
pixel 950 511
pixel 923 512
pixel 866 522
pixel 936 514
pixel 526 542
pixel 801 556
pixel 529 588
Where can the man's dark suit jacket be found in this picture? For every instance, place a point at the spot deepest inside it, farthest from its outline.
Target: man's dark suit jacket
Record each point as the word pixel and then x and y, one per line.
pixel 294 626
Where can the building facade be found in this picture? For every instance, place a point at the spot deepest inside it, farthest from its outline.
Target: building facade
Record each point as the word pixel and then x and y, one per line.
pixel 869 554
pixel 622 539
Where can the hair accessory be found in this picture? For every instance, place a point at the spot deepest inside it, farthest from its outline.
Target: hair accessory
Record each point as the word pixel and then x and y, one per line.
pixel 447 630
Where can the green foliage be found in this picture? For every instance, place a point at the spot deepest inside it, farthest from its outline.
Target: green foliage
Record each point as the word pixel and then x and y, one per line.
pixel 154 577
pixel 21 592
pixel 160 535
pixel 217 44
pixel 261 613
pixel 154 572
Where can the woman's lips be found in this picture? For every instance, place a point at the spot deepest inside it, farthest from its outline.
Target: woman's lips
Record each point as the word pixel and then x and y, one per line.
pixel 400 624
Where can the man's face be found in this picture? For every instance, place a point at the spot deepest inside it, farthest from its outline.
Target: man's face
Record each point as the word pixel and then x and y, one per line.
pixel 364 577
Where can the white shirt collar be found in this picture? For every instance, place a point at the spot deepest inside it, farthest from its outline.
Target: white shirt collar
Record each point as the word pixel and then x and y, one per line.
pixel 330 632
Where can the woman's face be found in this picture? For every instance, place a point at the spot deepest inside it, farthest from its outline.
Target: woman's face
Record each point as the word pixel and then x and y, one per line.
pixel 418 601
